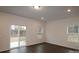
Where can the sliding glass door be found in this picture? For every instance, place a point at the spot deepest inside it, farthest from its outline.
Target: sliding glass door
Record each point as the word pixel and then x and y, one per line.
pixel 17 36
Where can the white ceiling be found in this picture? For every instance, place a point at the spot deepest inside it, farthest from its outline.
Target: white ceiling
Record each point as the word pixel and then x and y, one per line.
pixel 48 12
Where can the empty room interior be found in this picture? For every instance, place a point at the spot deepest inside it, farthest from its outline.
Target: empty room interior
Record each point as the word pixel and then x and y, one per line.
pixel 39 29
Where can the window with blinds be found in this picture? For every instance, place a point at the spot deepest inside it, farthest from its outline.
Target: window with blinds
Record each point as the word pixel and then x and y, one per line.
pixel 73 33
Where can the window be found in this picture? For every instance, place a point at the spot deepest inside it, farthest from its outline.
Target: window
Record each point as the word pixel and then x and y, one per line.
pixel 73 33
pixel 72 29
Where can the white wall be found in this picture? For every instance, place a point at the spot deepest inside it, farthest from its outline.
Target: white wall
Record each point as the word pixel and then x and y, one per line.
pixel 6 20
pixel 56 32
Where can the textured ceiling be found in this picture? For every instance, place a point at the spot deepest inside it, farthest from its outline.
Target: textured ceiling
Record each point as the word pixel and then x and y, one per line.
pixel 48 12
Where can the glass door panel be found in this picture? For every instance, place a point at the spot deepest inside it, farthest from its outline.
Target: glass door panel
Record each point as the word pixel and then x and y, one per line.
pixel 22 36
pixel 14 37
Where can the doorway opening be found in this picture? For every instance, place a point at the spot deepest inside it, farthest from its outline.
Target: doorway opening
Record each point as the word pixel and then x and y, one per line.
pixel 17 36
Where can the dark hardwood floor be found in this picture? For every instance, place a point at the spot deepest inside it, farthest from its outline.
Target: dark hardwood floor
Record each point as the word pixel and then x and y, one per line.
pixel 42 48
